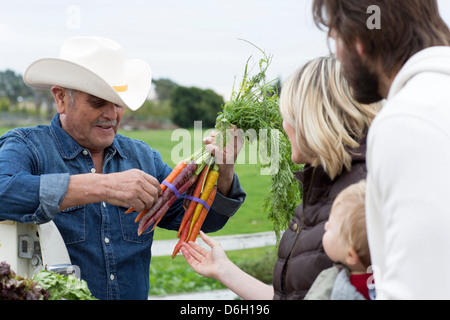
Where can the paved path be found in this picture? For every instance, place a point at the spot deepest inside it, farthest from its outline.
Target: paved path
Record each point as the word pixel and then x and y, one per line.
pixel 234 242
pixel 224 294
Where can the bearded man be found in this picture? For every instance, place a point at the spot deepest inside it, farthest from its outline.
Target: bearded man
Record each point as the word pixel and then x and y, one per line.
pixel 407 62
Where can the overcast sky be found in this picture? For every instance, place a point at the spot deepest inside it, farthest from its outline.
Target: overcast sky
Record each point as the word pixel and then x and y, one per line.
pixel 191 42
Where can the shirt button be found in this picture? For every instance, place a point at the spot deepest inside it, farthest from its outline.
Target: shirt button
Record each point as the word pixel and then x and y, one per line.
pixel 104 204
pixel 93 170
pixel 85 152
pixel 111 277
pixel 106 240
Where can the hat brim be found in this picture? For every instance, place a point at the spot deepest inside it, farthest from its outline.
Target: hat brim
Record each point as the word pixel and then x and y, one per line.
pixel 48 72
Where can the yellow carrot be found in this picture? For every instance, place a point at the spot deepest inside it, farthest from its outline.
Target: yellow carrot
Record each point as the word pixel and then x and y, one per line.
pixel 210 182
pixel 196 194
pixel 198 224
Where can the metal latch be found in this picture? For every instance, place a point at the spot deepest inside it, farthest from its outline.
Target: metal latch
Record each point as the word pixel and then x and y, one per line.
pixel 65 269
pixel 30 249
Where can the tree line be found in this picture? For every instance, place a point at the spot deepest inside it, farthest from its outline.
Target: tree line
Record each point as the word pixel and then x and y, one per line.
pixel 176 104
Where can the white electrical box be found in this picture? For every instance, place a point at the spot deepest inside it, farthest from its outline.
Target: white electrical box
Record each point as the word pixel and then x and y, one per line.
pixel 29 248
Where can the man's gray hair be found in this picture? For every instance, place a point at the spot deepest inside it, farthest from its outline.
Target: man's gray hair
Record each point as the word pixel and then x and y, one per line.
pixel 71 94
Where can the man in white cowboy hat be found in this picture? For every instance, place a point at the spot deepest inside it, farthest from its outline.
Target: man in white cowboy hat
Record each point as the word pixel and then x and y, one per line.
pixel 81 174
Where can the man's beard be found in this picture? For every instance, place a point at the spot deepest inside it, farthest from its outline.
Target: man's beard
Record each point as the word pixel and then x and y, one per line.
pixel 363 81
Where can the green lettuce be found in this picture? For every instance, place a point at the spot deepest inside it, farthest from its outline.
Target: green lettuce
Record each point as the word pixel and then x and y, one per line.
pixel 62 287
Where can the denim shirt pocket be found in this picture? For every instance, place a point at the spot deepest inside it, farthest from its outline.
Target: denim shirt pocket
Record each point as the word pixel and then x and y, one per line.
pixel 129 227
pixel 72 224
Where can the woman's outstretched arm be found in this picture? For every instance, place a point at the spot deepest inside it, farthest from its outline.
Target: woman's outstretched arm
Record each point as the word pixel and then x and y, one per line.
pixel 215 264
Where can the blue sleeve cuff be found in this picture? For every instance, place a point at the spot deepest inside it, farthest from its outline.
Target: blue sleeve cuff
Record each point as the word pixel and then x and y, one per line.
pixel 52 190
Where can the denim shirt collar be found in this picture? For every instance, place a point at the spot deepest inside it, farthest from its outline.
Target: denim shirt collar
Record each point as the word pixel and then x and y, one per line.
pixel 69 148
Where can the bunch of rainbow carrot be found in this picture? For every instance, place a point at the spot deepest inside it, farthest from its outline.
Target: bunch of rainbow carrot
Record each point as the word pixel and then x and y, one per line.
pixel 196 177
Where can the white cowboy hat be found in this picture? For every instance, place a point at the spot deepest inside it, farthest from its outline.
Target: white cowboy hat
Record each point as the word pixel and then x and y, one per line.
pixel 97 66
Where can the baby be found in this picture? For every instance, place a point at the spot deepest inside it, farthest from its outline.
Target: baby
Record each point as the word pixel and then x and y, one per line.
pixel 345 242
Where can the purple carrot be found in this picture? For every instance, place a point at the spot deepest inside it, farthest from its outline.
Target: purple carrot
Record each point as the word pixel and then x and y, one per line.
pixel 147 220
pixel 188 192
pixel 179 180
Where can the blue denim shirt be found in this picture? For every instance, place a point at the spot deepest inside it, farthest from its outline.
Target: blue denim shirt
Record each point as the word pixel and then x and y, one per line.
pixel 35 167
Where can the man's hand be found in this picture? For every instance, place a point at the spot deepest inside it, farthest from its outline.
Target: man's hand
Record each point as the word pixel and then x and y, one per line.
pixel 225 156
pixel 132 188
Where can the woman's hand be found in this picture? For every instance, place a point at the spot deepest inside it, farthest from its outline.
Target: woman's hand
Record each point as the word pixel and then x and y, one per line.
pixel 206 263
pixel 215 264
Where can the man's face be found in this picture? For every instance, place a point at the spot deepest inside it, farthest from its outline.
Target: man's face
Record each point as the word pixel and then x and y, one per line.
pixel 363 81
pixel 91 121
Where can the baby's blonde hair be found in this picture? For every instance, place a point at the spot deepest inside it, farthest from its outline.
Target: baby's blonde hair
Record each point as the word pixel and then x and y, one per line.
pixel 318 103
pixel 353 228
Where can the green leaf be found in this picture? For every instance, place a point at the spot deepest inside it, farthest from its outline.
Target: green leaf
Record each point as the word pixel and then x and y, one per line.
pixel 255 105
pixel 62 287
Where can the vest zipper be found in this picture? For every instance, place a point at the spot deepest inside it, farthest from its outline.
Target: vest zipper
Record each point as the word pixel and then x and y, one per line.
pixel 299 229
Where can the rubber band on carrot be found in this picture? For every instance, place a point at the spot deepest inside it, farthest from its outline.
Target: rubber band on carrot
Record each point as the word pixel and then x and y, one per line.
pixel 210 183
pixel 201 218
pixel 196 193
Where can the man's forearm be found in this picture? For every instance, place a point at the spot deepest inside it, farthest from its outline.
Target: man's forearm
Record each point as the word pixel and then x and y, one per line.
pixel 132 188
pixel 83 189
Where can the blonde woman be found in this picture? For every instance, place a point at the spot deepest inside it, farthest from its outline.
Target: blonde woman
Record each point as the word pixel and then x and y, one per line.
pixel 327 129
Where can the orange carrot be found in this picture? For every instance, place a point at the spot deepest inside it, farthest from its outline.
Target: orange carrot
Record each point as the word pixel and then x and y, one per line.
pixel 196 194
pixel 130 210
pixel 141 214
pixel 180 166
pixel 211 181
pixel 183 237
pixel 198 224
